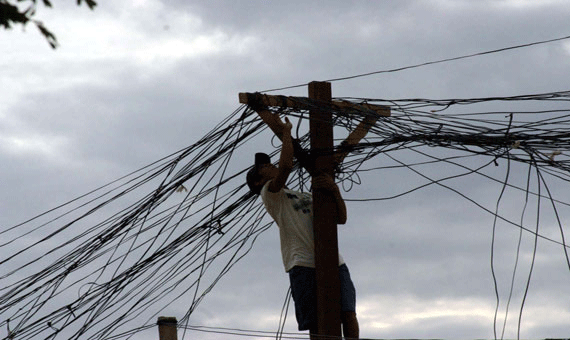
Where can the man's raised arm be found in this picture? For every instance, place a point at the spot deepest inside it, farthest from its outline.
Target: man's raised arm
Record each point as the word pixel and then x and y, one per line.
pixel 354 138
pixel 326 182
pixel 285 158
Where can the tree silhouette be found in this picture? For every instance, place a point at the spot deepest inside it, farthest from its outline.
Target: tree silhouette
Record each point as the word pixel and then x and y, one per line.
pixel 22 11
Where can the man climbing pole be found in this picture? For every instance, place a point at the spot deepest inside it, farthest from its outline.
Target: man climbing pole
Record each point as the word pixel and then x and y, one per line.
pixel 293 213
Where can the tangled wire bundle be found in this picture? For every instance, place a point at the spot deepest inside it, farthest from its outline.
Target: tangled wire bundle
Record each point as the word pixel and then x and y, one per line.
pixel 102 265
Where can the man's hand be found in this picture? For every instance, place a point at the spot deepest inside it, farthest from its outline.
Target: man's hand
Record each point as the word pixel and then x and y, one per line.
pixel 324 182
pixel 287 126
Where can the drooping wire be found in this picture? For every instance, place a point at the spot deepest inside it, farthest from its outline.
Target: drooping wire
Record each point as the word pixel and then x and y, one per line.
pixel 517 255
pixel 492 257
pixel 172 230
pixel 283 315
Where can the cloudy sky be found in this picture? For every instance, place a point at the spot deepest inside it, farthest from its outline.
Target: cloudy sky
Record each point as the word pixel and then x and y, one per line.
pixel 135 80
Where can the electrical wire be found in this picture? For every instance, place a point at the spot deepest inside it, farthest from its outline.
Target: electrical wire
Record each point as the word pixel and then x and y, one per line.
pixel 444 60
pixel 171 230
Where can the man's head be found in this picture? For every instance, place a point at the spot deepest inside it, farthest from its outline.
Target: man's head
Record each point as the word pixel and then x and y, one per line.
pixel 260 173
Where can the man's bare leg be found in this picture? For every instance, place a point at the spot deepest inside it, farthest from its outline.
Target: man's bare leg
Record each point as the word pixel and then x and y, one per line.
pixel 350 327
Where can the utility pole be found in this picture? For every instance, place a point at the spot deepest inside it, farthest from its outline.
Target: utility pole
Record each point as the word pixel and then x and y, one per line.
pixel 324 215
pixel 167 328
pixel 324 206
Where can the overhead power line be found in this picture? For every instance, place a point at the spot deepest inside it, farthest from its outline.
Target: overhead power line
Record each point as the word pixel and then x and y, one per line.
pixel 96 266
pixel 104 265
pixel 440 61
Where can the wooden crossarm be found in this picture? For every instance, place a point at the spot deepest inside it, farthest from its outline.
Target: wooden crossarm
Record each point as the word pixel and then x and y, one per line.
pixel 303 103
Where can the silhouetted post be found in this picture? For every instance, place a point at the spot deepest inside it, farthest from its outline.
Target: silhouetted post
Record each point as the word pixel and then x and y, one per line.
pixel 324 217
pixel 167 328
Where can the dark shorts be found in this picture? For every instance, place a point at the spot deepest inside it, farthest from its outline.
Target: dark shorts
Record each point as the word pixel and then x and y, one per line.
pixel 304 294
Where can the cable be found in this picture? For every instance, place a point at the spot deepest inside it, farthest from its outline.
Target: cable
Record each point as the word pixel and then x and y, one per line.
pixel 402 68
pixel 283 316
pixel 172 230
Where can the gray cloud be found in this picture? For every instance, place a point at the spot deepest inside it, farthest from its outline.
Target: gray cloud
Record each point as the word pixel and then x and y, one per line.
pixel 418 261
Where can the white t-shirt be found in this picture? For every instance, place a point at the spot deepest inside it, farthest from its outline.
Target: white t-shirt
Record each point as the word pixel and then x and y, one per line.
pixel 293 213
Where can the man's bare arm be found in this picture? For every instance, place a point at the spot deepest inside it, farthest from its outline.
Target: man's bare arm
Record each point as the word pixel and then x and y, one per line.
pixel 355 137
pixel 285 158
pixel 325 182
pixel 340 206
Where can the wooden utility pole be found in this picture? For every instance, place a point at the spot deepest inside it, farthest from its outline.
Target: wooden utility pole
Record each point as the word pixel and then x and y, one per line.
pixel 167 328
pixel 324 217
pixel 321 160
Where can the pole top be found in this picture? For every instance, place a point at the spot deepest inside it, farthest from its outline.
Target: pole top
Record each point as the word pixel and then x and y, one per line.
pixel 166 320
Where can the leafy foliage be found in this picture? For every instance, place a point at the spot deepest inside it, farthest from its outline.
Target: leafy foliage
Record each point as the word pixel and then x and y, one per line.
pixel 11 14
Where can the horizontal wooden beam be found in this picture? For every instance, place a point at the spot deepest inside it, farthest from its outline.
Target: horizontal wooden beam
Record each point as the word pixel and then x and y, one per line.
pixel 303 103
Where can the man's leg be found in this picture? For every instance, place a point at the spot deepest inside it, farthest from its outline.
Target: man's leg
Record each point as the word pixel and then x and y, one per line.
pixel 350 327
pixel 303 290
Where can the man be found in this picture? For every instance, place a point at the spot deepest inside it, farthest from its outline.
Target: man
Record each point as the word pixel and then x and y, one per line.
pixel 292 211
